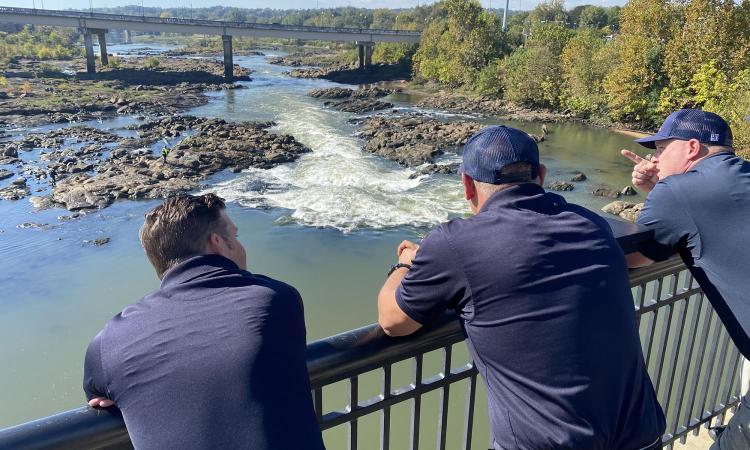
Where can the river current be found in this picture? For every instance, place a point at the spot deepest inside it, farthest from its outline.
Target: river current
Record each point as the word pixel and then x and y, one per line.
pixel 328 223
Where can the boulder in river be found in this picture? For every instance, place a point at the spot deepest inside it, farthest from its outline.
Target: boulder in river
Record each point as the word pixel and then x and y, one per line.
pixel 605 192
pixel 628 190
pixel 560 186
pixel 5 174
pixel 579 176
pixel 430 169
pixel 626 210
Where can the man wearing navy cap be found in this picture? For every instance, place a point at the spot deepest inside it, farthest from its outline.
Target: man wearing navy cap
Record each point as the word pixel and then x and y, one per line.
pixel 699 207
pixel 542 292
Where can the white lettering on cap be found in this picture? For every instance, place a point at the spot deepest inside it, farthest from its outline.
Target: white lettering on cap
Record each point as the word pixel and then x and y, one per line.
pixel 714 137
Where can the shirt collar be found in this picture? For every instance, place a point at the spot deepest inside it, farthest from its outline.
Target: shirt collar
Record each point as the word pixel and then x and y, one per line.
pixel 516 196
pixel 197 267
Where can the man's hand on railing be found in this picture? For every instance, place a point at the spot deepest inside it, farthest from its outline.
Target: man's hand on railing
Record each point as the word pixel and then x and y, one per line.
pixel 101 402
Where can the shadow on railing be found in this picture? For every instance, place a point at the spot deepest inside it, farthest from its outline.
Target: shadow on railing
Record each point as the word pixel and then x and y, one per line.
pixel 692 362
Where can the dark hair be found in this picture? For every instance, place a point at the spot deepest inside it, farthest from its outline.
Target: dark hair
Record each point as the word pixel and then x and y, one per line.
pixel 179 228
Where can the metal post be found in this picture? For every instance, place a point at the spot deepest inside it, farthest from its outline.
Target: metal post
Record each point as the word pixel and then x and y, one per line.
pixel 228 64
pixel 90 61
pixel 505 15
pixel 102 34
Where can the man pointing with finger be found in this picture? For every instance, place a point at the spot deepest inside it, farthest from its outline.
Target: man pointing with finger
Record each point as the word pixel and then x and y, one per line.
pixel 699 207
pixel 542 292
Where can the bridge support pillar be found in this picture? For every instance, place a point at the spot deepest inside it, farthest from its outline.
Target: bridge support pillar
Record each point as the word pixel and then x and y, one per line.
pixel 102 34
pixel 127 37
pixel 90 60
pixel 365 54
pixel 368 55
pixel 228 62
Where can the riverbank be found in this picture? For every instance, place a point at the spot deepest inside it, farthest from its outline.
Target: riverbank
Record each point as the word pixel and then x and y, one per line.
pixel 61 91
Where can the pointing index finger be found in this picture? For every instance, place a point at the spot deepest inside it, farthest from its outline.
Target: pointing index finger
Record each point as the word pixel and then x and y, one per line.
pixel 631 156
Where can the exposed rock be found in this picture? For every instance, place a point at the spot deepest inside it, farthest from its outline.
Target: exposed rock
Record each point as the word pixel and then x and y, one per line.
pixel 490 106
pixel 26 225
pixel 560 186
pixel 41 202
pixel 97 242
pixel 359 105
pixel 626 210
pixel 214 146
pixel 334 92
pixel 18 182
pixel 430 169
pixel 605 192
pixel 5 174
pixel 413 140
pixel 14 192
pixel 579 176
pixel 353 75
pixel 69 218
pixel 628 190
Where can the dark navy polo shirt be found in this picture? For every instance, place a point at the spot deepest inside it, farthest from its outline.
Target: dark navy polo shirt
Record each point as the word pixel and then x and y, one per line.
pixel 214 359
pixel 704 215
pixel 543 294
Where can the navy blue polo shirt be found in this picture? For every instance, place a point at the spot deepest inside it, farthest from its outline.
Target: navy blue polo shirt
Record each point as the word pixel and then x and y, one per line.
pixel 704 215
pixel 542 291
pixel 214 359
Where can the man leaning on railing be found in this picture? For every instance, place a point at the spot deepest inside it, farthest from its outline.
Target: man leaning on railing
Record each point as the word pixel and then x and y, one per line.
pixel 216 357
pixel 543 294
pixel 699 206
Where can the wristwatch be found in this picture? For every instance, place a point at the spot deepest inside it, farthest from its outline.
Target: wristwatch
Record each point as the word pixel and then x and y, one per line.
pixel 397 266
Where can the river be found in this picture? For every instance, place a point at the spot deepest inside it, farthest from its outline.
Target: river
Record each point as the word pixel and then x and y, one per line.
pixel 328 223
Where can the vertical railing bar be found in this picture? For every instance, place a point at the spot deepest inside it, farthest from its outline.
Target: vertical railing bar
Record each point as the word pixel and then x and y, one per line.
pixel 726 392
pixel 664 341
pixel 712 381
pixel 708 318
pixel 416 404
pixel 353 405
pixel 385 418
pixel 444 398
pixel 735 374
pixel 470 401
pixel 318 403
pixel 692 330
pixel 650 341
pixel 726 344
pixel 676 349
pixel 640 295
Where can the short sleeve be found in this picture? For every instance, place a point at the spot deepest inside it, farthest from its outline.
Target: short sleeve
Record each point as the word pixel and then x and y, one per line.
pixel 434 283
pixel 664 213
pixel 93 372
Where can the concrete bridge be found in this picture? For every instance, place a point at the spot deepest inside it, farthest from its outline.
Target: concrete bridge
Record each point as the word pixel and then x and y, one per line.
pixel 91 24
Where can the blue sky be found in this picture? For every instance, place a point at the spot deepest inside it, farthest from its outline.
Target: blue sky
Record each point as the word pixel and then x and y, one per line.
pixel 283 4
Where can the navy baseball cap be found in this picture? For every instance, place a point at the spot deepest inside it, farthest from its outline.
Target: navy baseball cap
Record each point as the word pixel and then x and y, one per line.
pixel 686 124
pixel 492 148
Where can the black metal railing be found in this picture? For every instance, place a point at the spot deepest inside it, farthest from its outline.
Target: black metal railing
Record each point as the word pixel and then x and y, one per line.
pixel 363 375
pixel 200 22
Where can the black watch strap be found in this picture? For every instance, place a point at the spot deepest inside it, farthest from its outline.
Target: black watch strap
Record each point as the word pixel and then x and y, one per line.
pixel 397 266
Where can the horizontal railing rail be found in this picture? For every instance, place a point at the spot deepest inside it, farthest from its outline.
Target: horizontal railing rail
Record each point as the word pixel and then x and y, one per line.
pixel 204 22
pixel 692 362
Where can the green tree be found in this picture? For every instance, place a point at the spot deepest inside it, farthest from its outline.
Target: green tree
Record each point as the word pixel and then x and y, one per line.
pixel 532 77
pixel 453 50
pixel 633 86
pixel 593 17
pixel 586 60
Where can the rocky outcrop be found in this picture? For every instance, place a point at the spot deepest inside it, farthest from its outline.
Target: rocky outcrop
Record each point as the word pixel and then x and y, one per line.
pixel 626 210
pixel 578 176
pixel 414 140
pixel 605 192
pixel 628 191
pixel 215 145
pixel 353 75
pixel 431 169
pixel 560 186
pixel 359 105
pixel 490 106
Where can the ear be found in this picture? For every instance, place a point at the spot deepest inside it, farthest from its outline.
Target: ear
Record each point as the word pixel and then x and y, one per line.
pixel 695 149
pixel 470 190
pixel 214 245
pixel 542 174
